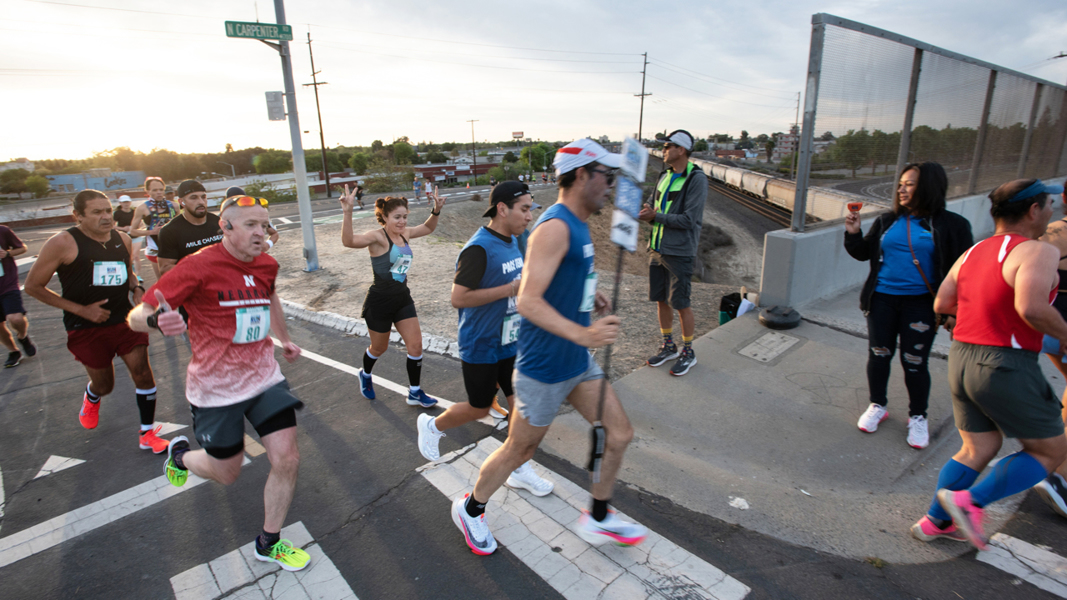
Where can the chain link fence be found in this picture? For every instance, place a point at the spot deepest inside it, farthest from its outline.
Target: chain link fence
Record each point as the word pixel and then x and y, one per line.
pixel 876 101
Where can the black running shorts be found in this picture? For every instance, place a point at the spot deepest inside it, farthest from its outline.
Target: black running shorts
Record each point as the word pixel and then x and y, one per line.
pixel 481 381
pixel 381 311
pixel 220 430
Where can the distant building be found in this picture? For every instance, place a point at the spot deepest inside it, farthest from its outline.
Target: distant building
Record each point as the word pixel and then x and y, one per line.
pixel 730 154
pixel 452 173
pixel 18 163
pixel 97 179
pixel 786 144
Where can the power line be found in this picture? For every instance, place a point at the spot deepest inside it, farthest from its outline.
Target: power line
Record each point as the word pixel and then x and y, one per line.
pixel 713 82
pixel 483 55
pixel 716 97
pixel 717 78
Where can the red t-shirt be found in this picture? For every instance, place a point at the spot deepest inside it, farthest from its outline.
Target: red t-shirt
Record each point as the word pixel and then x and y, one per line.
pixel 228 302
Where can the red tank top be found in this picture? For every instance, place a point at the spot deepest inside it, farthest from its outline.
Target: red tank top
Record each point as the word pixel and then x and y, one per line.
pixel 986 312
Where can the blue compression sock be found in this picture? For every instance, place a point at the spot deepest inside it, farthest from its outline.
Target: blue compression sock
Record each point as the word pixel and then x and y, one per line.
pixel 1013 474
pixel 954 476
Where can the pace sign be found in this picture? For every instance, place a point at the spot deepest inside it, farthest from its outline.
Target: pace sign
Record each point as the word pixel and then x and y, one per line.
pixel 259 31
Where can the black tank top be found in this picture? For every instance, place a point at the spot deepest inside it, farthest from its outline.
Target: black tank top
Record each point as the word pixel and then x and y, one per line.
pixel 101 271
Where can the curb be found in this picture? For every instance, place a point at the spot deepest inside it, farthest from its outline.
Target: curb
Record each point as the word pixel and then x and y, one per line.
pixel 358 327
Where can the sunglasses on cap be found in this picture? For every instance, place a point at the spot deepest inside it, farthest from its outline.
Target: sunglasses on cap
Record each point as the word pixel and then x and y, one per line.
pixel 242 201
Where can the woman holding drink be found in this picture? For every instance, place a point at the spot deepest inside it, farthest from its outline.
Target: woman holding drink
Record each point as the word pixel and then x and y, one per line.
pixel 910 250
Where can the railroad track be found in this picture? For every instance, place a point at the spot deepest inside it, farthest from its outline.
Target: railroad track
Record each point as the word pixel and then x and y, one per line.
pixel 777 214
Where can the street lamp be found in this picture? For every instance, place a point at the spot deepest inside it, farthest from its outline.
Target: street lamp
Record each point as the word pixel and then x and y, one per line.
pixel 233 171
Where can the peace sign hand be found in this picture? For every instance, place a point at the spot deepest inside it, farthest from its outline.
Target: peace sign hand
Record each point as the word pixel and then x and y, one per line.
pixel 347 199
pixel 438 201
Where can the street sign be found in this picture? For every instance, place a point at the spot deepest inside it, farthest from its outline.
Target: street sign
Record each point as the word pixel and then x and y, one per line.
pixel 276 106
pixel 259 31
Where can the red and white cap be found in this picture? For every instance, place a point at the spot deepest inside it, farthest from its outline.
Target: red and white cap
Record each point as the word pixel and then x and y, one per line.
pixel 583 152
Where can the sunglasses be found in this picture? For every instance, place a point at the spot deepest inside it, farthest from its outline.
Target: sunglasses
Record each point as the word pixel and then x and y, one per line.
pixel 670 145
pixel 609 174
pixel 242 201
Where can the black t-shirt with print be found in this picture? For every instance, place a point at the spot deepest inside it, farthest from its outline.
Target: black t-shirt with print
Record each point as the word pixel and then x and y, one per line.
pixel 180 238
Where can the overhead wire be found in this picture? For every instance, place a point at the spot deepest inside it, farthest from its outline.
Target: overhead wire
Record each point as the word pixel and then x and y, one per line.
pixel 712 95
pixel 698 78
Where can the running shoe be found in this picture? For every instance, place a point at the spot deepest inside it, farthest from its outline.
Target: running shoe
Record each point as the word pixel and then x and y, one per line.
pixel 965 515
pixel 1053 490
pixel 925 530
pixel 421 398
pixel 498 412
pixel 611 529
pixel 150 440
pixel 475 531
pixel 526 478
pixel 90 413
pixel 666 352
pixel 287 556
pixel 428 440
pixel 875 414
pixel 13 359
pixel 366 385
pixel 918 432
pixel 684 363
pixel 28 346
pixel 177 477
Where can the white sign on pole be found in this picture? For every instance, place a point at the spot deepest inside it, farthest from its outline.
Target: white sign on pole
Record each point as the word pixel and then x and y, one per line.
pixel 628 195
pixel 276 106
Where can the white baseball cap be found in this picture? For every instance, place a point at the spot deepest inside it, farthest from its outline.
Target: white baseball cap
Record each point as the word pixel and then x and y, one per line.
pixel 681 137
pixel 583 152
pixel 124 198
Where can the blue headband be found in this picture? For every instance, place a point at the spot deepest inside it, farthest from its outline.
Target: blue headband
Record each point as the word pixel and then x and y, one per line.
pixel 1034 189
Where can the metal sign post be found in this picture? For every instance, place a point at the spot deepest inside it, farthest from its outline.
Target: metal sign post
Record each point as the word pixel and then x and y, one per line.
pixel 283 33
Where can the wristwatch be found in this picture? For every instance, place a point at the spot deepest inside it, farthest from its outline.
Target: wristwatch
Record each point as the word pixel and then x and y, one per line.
pixel 153 319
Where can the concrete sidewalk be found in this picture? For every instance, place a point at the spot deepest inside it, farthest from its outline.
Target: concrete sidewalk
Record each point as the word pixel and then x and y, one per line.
pixel 773 446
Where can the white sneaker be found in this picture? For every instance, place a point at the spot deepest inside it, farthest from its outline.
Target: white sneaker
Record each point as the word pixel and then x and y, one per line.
pixel 876 413
pixel 918 432
pixel 499 415
pixel 475 531
pixel 526 478
pixel 611 529
pixel 428 440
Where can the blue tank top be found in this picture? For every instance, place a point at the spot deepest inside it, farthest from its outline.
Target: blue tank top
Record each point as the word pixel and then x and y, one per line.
pixel 488 333
pixel 391 269
pixel 546 357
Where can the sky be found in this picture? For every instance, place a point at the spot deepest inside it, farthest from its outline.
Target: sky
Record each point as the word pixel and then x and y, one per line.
pixel 85 76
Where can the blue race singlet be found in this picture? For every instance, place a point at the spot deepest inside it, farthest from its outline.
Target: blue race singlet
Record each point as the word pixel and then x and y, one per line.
pixel 488 333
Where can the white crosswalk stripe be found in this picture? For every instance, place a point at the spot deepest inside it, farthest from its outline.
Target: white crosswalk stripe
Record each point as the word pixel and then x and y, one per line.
pixel 1028 562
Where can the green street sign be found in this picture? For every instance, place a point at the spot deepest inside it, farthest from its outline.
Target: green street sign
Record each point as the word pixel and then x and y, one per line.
pixel 259 31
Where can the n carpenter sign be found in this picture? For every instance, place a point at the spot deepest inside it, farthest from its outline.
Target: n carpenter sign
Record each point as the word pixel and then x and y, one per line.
pixel 259 31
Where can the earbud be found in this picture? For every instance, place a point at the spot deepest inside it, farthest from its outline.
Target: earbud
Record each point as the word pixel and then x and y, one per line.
pixel 229 226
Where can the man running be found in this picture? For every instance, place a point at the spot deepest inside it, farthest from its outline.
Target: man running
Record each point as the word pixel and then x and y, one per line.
pixel 195 228
pixel 123 218
pixel 11 309
pixel 93 263
pixel 556 296
pixel 484 290
pixel 1000 292
pixel 150 217
pixel 228 289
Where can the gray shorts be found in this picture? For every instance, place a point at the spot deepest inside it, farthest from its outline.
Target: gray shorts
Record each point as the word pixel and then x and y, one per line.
pixel 539 402
pixel 670 279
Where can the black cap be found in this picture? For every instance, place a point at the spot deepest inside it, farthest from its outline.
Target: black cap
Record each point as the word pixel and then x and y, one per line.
pixel 235 191
pixel 189 186
pixel 507 192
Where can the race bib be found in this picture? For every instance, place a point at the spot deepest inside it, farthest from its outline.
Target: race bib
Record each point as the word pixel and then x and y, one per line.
pixel 510 332
pixel 401 264
pixel 589 296
pixel 253 324
pixel 109 273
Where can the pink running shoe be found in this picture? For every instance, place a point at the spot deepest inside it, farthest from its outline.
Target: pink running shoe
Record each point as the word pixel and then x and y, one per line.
pixel 89 416
pixel 965 515
pixel 925 530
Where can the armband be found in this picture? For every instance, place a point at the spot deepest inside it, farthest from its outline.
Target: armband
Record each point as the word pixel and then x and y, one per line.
pixel 270 244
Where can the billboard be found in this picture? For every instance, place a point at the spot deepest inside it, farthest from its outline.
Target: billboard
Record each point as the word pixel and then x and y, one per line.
pixel 516 135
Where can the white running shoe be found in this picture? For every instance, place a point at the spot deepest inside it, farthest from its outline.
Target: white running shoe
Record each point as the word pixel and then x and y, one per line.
pixel 498 412
pixel 526 478
pixel 475 531
pixel 611 529
pixel 918 432
pixel 869 421
pixel 428 440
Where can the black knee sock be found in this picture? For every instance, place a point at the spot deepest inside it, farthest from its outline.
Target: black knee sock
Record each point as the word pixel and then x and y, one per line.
pixel 89 392
pixel 368 361
pixel 474 508
pixel 600 509
pixel 414 370
pixel 146 404
pixel 265 540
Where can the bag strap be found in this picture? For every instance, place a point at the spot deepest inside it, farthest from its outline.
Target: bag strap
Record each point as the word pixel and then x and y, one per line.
pixel 915 260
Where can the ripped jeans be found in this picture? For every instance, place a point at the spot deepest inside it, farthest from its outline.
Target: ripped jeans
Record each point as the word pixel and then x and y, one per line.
pixel 912 319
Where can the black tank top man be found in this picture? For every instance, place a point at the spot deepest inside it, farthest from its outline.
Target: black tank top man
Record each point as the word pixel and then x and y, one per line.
pixel 100 272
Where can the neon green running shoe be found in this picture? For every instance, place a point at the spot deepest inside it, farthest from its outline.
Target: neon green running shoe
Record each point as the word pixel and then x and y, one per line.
pixel 288 557
pixel 177 477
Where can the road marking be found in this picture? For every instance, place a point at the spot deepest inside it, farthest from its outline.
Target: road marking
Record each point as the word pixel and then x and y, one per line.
pixel 537 531
pixel 168 428
pixel 284 220
pixel 239 576
pixel 1038 566
pixel 55 464
pixel 2 499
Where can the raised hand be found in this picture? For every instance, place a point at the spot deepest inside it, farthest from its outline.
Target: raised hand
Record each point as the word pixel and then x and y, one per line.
pixel 170 322
pixel 438 201
pixel 347 199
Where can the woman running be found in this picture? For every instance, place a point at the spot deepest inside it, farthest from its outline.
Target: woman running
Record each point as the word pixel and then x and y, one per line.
pixel 388 301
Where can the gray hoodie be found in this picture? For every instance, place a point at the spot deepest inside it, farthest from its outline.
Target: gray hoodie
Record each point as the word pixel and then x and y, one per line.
pixel 677 230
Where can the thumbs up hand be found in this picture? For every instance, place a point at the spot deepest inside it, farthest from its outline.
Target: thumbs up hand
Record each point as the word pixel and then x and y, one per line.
pixel 170 322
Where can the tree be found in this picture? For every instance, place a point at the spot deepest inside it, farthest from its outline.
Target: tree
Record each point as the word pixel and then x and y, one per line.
pixel 534 155
pixel 376 146
pixel 761 139
pixel 448 146
pixel 273 161
pixel 510 157
pixel 13 181
pixel 313 161
pixel 38 186
pixel 744 143
pixel 436 157
pixel 358 162
pixel 700 145
pixel 403 153
pixel 827 136
pixel 853 149
pixel 768 146
pixel 229 148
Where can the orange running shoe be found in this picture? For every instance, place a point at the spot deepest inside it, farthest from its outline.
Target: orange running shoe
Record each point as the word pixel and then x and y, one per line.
pixel 150 440
pixel 90 413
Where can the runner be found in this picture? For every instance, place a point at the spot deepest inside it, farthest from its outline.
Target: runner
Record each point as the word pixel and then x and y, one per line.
pixel 359 195
pixel 271 231
pixel 93 262
pixel 11 309
pixel 556 296
pixel 429 188
pixel 486 283
pixel 388 300
pixel 1000 291
pixel 415 188
pixel 123 216
pixel 228 289
pixel 150 217
pixel 195 228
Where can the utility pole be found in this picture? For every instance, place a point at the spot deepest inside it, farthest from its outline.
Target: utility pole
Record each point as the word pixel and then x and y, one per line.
pixel 322 138
pixel 641 120
pixel 796 146
pixel 474 152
